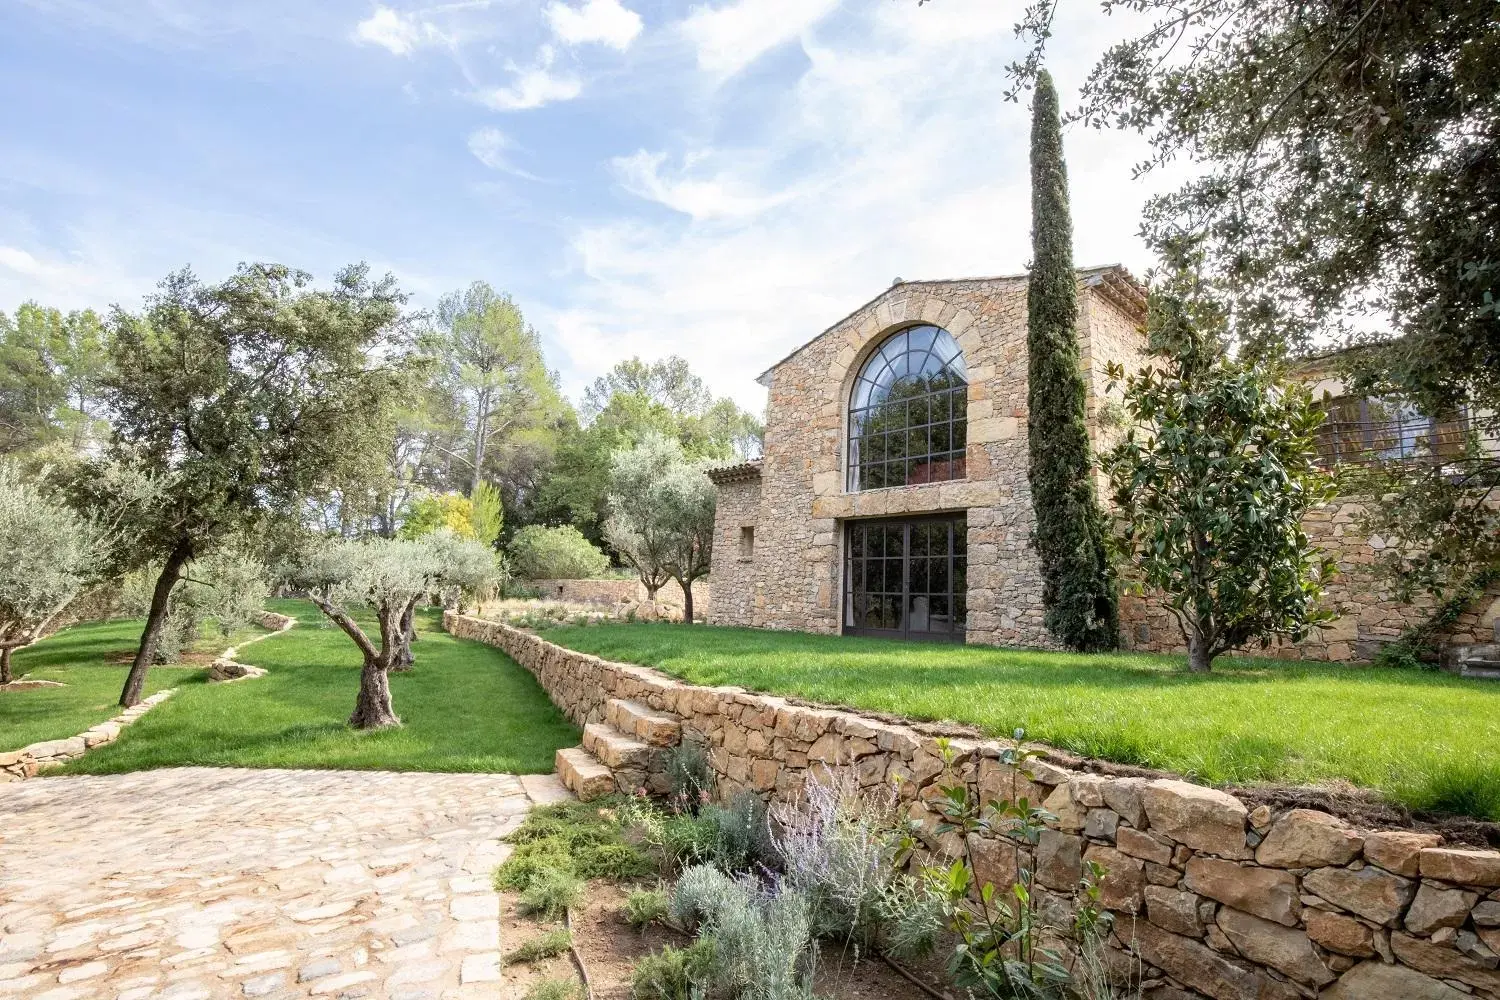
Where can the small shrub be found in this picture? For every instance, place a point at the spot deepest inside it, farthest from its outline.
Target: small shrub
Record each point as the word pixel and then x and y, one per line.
pixel 763 944
pixel 691 776
pixel 742 834
pixel 840 848
pixel 555 989
pixel 552 892
pixel 618 862
pixel 674 973
pixel 562 553
pixel 548 945
pixel 531 861
pixel 645 906
pixel 687 839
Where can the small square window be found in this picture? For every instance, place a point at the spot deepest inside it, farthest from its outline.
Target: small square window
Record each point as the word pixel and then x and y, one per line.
pixel 747 542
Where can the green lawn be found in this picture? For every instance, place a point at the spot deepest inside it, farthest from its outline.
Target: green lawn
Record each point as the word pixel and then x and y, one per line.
pixel 1429 740
pixel 466 707
pixel 88 659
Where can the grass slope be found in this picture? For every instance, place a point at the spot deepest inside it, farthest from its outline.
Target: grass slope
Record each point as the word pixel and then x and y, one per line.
pixel 87 659
pixel 1428 740
pixel 466 707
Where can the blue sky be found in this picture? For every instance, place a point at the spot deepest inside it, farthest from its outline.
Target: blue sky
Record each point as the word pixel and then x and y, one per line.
pixel 719 180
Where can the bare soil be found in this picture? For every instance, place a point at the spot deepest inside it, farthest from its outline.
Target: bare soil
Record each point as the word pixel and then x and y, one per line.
pixel 610 948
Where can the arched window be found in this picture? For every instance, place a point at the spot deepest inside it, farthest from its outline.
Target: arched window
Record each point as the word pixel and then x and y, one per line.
pixel 908 412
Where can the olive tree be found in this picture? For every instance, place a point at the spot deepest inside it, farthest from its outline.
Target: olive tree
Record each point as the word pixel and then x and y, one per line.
pixel 380 574
pixel 662 515
pixel 48 556
pixel 1211 483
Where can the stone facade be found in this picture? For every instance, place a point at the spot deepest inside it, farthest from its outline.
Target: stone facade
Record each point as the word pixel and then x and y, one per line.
pixel 1212 898
pixel 794 504
pixel 794 578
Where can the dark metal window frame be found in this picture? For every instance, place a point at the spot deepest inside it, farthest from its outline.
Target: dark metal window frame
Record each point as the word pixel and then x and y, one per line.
pixel 857 575
pixel 913 465
pixel 1370 437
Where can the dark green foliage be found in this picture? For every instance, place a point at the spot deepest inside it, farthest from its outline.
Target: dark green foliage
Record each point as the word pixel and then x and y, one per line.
pixel 582 839
pixel 548 945
pixel 674 973
pixel 1078 587
pixel 645 906
pixel 689 839
pixel 552 893
pixel 556 989
pixel 1345 185
pixel 1212 482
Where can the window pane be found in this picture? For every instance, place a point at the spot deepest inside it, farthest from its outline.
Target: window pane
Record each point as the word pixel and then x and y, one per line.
pixel 893 575
pixel 937 575
pixel 918 583
pixel 914 382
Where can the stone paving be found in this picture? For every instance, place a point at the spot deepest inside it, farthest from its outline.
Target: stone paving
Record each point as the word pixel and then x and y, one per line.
pixel 200 883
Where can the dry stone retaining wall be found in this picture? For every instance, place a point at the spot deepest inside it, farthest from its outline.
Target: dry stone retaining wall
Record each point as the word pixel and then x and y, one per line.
pixel 1212 898
pixel 623 592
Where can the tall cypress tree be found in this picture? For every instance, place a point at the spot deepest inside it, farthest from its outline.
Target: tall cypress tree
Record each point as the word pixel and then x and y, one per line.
pixel 1078 586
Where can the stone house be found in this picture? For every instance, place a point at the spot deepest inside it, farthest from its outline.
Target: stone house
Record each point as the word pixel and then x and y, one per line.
pixel 892 498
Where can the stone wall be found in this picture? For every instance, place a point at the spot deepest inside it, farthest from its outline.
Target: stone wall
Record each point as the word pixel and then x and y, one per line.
pixel 739 598
pixel 1212 898
pixel 623 592
pixel 1370 615
pixel 804 500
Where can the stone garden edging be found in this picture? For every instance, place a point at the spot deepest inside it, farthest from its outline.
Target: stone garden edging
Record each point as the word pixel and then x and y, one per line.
pixel 18 765
pixel 1212 898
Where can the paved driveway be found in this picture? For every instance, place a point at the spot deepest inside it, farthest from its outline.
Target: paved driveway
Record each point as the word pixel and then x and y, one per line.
pixel 193 883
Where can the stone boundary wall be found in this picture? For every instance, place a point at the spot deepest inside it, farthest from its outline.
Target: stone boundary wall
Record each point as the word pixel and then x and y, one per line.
pixel 1212 898
pixel 622 592
pixel 18 765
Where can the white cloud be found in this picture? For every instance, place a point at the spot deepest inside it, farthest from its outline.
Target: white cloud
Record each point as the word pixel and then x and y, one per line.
pixel 397 32
pixel 491 147
pixel 730 37
pixel 719 196
pixel 606 22
pixel 533 86
pixel 893 154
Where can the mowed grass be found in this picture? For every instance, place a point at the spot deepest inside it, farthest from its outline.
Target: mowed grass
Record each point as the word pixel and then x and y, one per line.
pixel 1430 741
pixel 465 707
pixel 85 658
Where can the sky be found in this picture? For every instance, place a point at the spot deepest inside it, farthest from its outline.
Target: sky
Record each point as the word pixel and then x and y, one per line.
pixel 721 180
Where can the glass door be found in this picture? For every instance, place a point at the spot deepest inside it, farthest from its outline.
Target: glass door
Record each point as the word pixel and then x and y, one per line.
pixel 908 578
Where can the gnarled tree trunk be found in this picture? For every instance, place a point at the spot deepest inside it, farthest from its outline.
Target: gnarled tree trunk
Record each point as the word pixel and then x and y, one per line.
pixel 373 708
pixel 5 652
pixel 405 636
pixel 161 595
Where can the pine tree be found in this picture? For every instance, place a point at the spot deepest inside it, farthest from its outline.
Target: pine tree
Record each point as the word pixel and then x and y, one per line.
pixel 1078 588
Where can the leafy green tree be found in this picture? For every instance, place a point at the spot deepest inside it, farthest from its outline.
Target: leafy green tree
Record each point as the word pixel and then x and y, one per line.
pixel 561 553
pixel 49 555
pixel 491 371
pixel 1345 186
pixel 661 515
pixel 1078 590
pixel 227 588
pixel 486 513
pixel 428 512
pixel 51 366
pixel 1211 483
pixel 245 401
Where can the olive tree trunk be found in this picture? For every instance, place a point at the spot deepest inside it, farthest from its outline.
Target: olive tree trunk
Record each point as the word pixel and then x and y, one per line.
pixel 161 596
pixel 5 652
pixel 372 707
pixel 406 634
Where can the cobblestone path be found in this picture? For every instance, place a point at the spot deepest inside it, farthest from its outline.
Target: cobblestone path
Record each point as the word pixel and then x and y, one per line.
pixel 195 883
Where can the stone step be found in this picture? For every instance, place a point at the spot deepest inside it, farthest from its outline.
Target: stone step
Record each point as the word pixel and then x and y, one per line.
pixel 614 749
pixel 1484 670
pixel 583 775
pixel 633 718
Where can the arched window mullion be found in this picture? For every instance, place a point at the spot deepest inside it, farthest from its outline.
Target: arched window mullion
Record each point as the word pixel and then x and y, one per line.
pixel 907 422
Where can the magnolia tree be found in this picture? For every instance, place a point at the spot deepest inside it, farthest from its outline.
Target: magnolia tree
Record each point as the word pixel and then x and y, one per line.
pixel 48 556
pixel 662 515
pixel 388 577
pixel 1211 483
